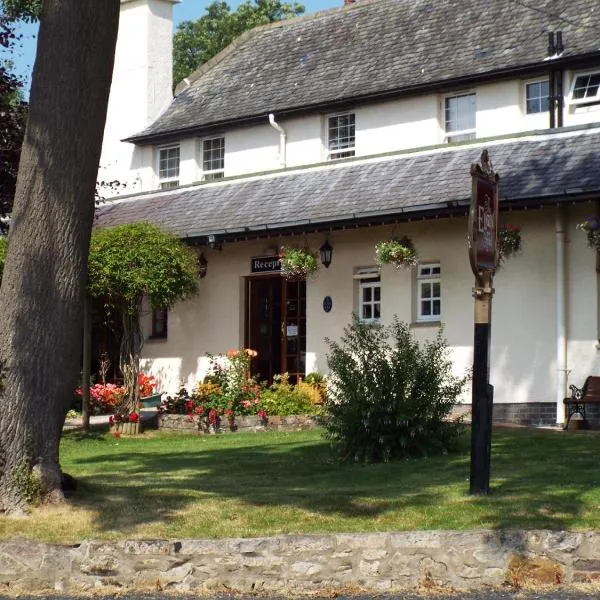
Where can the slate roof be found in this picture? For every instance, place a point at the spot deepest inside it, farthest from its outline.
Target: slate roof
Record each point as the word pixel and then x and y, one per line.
pixel 372 48
pixel 540 168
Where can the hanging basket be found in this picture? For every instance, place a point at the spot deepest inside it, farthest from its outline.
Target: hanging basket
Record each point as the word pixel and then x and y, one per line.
pixel 591 226
pixel 297 263
pixel 399 253
pixel 509 243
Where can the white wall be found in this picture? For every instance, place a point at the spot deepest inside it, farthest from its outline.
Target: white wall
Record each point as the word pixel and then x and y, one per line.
pixel 388 126
pixel 523 354
pixel 141 88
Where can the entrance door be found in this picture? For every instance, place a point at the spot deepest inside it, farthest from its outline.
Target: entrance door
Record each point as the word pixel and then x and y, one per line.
pixel 276 326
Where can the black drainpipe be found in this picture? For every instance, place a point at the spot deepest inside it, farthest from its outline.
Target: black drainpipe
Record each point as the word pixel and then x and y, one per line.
pixel 559 82
pixel 551 82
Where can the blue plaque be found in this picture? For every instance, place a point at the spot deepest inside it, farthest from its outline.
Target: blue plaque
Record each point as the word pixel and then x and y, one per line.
pixel 327 303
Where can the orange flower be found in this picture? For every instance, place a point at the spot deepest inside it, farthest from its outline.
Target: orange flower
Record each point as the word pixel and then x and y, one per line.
pixel 232 353
pixel 251 353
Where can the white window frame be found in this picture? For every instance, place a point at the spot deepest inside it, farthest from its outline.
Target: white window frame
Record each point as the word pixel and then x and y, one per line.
pixel 168 181
pixel 450 135
pixel 211 174
pixel 346 150
pixel 588 99
pixel 526 96
pixel 430 278
pixel 368 278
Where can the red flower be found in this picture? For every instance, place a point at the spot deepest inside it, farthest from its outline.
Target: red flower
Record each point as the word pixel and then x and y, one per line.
pixel 213 416
pixel 111 420
pixel 134 417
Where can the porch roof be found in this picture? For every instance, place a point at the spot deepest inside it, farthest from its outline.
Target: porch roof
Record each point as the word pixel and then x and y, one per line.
pixel 535 169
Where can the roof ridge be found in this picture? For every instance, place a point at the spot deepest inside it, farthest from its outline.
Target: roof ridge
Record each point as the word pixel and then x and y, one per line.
pixel 188 81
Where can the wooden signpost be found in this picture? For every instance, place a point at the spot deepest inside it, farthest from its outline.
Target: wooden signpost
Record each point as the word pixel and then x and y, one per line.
pixel 483 255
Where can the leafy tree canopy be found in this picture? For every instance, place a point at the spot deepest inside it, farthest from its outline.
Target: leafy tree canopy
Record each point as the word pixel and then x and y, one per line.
pixel 195 42
pixel 26 10
pixel 130 261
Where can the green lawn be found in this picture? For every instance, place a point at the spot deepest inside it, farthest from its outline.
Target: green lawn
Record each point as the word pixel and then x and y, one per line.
pixel 167 486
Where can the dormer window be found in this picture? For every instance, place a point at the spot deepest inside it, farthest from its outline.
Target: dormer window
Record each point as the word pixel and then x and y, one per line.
pixel 459 118
pixel 168 167
pixel 341 136
pixel 213 158
pixel 585 88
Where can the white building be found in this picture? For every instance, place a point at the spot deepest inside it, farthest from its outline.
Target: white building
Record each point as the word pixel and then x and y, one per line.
pixel 352 126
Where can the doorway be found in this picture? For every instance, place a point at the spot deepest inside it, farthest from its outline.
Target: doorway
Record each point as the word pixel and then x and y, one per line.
pixel 276 326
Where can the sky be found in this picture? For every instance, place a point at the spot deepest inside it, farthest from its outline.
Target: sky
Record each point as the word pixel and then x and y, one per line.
pixel 188 10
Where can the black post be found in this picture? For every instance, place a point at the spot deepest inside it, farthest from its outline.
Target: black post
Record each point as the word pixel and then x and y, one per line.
pixel 482 393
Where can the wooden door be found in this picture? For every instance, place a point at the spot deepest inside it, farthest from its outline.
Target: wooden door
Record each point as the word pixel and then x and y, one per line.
pixel 293 329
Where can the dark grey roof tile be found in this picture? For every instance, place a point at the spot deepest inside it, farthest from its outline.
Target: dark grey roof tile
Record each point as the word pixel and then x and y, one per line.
pixel 530 168
pixel 373 47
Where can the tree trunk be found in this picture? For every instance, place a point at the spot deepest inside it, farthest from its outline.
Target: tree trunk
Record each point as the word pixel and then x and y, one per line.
pixel 41 296
pixel 129 359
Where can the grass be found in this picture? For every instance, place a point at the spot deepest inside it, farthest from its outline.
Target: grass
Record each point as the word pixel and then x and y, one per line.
pixel 172 486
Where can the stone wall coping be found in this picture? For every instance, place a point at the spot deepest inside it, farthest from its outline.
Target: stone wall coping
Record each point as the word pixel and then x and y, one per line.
pixel 369 562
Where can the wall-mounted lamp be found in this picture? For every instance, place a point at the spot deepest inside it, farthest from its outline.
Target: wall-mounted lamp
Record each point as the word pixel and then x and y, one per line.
pixel 213 243
pixel 202 265
pixel 326 252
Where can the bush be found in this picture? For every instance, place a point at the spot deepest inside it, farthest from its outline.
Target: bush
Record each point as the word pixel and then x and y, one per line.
pixel 390 400
pixel 282 398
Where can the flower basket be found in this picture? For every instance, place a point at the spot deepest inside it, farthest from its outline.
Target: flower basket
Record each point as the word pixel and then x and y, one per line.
pixel 297 263
pixel 399 253
pixel 509 242
pixel 591 226
pixel 125 424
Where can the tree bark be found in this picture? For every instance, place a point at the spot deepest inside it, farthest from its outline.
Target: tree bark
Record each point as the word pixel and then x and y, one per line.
pixel 41 296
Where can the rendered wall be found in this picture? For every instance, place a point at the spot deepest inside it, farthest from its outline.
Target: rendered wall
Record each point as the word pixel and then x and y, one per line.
pixel 523 354
pixel 140 89
pixel 389 126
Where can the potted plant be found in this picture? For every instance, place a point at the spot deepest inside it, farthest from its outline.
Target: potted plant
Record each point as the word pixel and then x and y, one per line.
pixel 591 226
pixel 400 253
pixel 297 263
pixel 509 242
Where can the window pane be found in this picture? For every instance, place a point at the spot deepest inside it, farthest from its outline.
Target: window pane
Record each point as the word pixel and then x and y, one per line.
pixel 367 294
pixel 586 86
pixel 341 134
pixel 435 271
pixel 168 163
pixel 377 311
pixel 460 113
pixel 377 291
pixel 436 290
pixel 425 290
pixel 436 307
pixel 537 97
pixel 425 308
pixel 366 311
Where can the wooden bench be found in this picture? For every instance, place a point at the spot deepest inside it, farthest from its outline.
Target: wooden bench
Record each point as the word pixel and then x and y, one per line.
pixel 151 401
pixel 588 394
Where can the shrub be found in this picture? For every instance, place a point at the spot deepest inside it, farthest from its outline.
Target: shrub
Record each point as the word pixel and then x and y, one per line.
pixel 390 400
pixel 282 398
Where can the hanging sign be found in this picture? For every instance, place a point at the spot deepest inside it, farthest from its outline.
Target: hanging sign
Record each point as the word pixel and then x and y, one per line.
pixel 265 264
pixel 483 217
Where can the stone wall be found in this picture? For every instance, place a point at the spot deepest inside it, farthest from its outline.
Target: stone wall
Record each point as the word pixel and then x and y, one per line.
pixel 252 423
pixel 379 562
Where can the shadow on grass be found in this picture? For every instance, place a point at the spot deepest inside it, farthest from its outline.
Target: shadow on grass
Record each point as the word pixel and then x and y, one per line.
pixel 539 479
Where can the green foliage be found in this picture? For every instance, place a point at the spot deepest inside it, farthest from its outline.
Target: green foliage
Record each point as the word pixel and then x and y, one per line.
pixel 131 261
pixel 26 10
pixel 390 400
pixel 282 398
pixel 400 253
pixel 298 263
pixel 195 42
pixel 3 248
